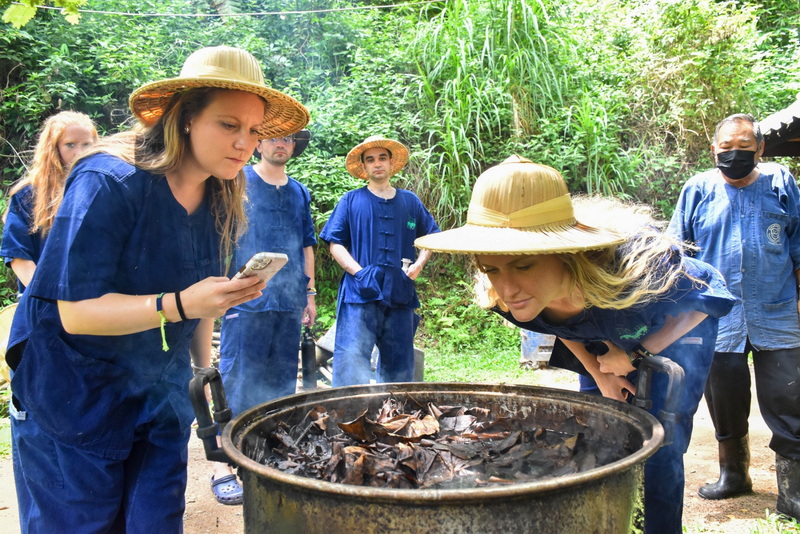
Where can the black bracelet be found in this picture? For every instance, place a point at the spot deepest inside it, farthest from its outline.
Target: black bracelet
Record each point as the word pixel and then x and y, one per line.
pixel 179 305
pixel 638 354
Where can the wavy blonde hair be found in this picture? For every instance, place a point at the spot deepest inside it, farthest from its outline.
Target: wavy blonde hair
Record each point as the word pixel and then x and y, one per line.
pixel 47 172
pixel 161 149
pixel 647 266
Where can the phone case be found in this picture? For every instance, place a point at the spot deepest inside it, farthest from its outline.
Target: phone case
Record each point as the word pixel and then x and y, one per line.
pixel 263 264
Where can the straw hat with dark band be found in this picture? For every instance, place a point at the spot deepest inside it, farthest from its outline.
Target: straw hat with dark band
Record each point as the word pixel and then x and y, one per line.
pixel 226 68
pixel 398 150
pixel 520 207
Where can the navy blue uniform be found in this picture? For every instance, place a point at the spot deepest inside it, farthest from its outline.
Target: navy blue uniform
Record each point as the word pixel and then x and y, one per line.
pixel 108 417
pixel 376 305
pixel 259 339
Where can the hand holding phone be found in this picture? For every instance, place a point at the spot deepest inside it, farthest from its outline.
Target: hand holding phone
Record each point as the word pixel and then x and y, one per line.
pixel 263 265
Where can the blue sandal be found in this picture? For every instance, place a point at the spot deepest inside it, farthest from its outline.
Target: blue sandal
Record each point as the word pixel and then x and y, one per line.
pixel 227 490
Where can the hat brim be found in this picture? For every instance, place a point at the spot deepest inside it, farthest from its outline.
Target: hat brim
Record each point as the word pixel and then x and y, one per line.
pixel 301 140
pixel 354 165
pixel 284 115
pixel 474 239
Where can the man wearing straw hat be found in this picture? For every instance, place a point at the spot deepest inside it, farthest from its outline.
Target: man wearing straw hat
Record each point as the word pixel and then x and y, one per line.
pixel 371 234
pixel 259 339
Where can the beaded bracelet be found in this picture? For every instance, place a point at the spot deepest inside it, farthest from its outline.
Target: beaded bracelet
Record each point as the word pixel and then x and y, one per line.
pixel 638 354
pixel 311 291
pixel 160 310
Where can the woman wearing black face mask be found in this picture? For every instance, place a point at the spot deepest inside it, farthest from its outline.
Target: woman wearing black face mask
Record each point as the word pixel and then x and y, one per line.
pixel 744 218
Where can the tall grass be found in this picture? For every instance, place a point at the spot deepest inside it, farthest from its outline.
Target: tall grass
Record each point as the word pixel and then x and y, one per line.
pixel 485 72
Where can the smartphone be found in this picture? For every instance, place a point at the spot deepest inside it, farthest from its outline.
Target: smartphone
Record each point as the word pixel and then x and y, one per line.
pixel 263 265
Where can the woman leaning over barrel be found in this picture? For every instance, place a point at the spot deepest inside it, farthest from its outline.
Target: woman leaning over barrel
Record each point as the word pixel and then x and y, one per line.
pixel 611 297
pixel 131 269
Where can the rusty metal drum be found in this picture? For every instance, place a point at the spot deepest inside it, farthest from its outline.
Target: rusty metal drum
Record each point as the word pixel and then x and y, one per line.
pixel 601 500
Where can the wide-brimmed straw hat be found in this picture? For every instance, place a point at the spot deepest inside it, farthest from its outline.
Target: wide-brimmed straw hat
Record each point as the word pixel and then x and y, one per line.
pixel 398 150
pixel 224 67
pixel 520 207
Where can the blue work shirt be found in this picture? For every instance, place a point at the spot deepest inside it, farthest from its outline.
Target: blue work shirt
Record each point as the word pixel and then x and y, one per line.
pixel 379 233
pixel 119 230
pixel 752 235
pixel 278 220
pixel 18 240
pixel 626 328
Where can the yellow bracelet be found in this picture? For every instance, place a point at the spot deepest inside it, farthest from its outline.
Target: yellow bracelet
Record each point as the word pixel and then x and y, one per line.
pixel 160 310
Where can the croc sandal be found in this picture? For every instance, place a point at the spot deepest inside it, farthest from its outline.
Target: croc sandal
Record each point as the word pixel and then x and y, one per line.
pixel 227 490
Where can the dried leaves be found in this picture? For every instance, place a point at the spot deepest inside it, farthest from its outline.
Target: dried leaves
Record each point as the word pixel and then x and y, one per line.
pixel 427 446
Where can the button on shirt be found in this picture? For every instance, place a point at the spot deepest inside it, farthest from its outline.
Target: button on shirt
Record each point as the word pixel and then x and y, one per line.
pixel 752 235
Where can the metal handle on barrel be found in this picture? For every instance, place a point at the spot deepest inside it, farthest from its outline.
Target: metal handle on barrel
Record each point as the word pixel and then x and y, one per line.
pixel 669 414
pixel 207 429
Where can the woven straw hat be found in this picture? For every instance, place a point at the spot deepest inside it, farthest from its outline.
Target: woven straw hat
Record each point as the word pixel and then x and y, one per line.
pixel 520 207
pixel 6 317
pixel 227 68
pixel 398 150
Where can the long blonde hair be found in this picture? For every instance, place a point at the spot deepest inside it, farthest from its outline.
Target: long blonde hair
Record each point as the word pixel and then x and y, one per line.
pixel 47 172
pixel 647 266
pixel 160 149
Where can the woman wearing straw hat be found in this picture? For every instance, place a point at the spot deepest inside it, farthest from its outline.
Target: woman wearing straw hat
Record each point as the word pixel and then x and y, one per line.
pixel 620 295
pixel 129 274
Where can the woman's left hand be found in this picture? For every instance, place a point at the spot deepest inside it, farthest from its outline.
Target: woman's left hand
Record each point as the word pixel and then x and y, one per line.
pixel 615 361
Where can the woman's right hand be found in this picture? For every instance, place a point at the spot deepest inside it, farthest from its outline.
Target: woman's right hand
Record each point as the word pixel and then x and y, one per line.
pixel 614 387
pixel 213 296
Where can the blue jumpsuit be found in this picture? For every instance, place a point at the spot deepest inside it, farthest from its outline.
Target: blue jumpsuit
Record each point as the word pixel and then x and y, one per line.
pixel 376 305
pixel 20 242
pixel 664 476
pixel 104 444
pixel 259 339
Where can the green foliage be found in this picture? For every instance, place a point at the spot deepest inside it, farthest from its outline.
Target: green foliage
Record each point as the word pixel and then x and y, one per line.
pixel 20 13
pixel 451 318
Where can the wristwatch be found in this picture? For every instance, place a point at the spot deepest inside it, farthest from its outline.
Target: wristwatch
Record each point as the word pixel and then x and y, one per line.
pixel 638 354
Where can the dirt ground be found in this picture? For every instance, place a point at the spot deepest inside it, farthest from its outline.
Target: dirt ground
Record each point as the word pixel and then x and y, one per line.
pixel 733 516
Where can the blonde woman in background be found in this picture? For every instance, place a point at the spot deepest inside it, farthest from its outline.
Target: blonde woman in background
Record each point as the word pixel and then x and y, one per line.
pixel 34 200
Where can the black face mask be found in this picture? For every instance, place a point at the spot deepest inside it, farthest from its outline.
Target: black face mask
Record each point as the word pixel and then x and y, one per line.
pixel 736 164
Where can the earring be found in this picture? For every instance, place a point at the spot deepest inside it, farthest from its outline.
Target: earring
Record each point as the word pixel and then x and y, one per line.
pixel 186 130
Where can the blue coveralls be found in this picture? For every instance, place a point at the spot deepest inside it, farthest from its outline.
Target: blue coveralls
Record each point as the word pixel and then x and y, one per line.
pixel 664 476
pixel 259 340
pixel 20 242
pixel 752 235
pixel 104 444
pixel 376 305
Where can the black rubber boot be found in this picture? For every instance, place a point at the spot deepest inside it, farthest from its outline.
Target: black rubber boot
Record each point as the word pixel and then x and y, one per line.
pixel 734 462
pixel 788 472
